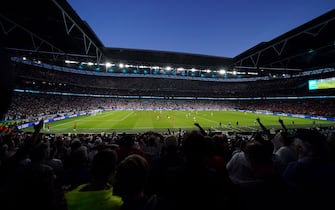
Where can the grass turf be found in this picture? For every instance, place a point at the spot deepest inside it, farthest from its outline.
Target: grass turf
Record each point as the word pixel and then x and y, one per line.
pixel 137 121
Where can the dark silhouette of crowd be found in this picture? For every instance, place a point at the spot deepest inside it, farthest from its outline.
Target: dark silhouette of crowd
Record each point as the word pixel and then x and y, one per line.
pixel 196 169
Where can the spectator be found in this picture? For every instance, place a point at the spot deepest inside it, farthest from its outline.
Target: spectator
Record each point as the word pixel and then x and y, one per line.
pixel 261 190
pixel 77 170
pixel 163 173
pixel 311 177
pixel 286 152
pixel 36 181
pixel 198 186
pixel 97 194
pixel 127 146
pixel 130 183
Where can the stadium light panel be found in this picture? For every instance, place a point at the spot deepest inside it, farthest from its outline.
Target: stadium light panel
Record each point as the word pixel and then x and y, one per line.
pixel 68 61
pixel 222 71
pixel 108 65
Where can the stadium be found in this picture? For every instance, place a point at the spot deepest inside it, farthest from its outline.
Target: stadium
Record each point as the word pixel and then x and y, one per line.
pixel 75 69
pixel 80 89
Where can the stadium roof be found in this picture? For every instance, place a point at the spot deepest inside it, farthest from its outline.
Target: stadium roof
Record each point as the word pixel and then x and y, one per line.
pixel 309 46
pixel 149 57
pixel 50 30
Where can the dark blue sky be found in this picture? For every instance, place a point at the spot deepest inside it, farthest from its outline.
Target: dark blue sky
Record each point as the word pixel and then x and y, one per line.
pixel 209 27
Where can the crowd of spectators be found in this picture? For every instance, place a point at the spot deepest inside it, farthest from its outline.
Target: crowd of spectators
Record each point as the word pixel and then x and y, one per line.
pixel 153 171
pixel 32 106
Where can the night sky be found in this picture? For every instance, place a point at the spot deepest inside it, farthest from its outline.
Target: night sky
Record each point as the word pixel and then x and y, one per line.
pixel 208 27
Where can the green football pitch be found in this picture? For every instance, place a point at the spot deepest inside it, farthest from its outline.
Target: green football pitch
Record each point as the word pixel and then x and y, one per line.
pixel 137 121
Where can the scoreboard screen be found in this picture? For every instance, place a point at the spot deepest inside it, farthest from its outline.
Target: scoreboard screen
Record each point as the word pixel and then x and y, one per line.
pixel 317 84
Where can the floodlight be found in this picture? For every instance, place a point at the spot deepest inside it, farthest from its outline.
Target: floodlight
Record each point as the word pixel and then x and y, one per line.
pixel 108 65
pixel 222 71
